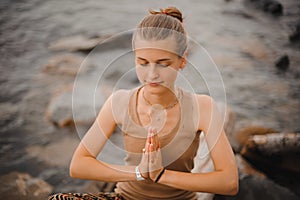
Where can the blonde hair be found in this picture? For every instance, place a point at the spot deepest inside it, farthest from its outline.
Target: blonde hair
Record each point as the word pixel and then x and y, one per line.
pixel 162 24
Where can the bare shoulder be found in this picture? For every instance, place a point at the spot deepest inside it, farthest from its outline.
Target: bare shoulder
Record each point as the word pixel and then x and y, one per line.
pixel 204 101
pixel 207 111
pixel 118 96
pixel 116 101
pixel 121 93
pixel 118 104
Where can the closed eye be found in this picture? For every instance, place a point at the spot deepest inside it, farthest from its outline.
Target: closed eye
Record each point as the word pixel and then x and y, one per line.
pixel 144 64
pixel 162 65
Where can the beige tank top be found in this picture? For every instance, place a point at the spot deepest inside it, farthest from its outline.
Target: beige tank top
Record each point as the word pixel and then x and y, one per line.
pixel 179 147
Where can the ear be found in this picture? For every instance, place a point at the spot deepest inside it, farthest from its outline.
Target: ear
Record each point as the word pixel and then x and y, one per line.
pixel 183 60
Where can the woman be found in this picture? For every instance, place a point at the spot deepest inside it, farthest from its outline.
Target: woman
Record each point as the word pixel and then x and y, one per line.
pixel 161 125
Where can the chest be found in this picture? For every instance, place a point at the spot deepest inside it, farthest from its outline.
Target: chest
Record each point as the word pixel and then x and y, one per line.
pixel 165 121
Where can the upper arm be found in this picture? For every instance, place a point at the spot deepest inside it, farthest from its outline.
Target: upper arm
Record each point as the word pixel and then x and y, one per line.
pixel 211 123
pixel 100 131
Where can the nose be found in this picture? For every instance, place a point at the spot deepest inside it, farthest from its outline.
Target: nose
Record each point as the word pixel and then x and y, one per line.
pixel 153 72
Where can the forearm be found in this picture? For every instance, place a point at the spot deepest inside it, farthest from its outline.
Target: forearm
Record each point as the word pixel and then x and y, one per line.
pixel 92 169
pixel 216 182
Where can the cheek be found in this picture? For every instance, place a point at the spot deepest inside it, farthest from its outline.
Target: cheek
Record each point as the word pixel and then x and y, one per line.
pixel 171 74
pixel 140 74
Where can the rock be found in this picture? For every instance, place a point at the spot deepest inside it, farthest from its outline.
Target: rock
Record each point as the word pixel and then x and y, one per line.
pixel 94 187
pixel 269 6
pixel 243 134
pixel 65 64
pixel 273 7
pixel 282 63
pixel 98 186
pixel 295 35
pixel 59 111
pixel 275 143
pixel 239 13
pixel 9 116
pixel 255 48
pixel 17 185
pixel 246 169
pixel 79 106
pixel 52 153
pixel 78 43
pixel 87 43
pixel 277 152
pixel 254 184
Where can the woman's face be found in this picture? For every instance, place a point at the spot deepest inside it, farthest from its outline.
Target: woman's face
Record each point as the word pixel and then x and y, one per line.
pixel 157 64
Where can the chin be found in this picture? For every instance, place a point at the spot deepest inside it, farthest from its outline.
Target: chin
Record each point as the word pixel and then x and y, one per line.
pixel 157 88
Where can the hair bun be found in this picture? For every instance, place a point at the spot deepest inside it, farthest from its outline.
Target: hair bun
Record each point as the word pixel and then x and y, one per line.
pixel 172 11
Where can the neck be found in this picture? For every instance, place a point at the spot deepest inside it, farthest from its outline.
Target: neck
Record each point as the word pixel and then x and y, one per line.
pixel 167 99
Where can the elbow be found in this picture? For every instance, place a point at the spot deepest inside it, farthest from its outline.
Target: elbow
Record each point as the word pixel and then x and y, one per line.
pixel 233 186
pixel 73 171
pixel 232 181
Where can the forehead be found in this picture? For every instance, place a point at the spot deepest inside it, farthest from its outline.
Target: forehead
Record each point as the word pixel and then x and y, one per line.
pixel 155 55
pixel 167 45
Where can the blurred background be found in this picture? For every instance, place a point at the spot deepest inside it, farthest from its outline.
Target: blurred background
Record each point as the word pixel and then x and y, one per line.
pixel 44 45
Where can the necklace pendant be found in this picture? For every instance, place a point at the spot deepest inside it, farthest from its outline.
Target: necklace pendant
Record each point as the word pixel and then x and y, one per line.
pixel 156 108
pixel 158 116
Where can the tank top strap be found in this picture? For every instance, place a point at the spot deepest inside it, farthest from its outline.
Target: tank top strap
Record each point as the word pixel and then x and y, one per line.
pixel 131 125
pixel 190 110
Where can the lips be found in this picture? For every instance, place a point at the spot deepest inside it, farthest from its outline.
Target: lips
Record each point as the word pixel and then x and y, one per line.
pixel 154 84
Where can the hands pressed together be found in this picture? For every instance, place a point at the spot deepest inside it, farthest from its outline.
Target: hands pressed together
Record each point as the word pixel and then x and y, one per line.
pixel 150 166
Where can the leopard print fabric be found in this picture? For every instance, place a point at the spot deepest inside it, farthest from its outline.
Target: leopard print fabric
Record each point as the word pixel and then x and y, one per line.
pixel 86 196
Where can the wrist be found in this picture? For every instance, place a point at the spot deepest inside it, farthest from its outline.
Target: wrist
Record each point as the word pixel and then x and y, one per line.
pixel 138 174
pixel 161 173
pixel 164 179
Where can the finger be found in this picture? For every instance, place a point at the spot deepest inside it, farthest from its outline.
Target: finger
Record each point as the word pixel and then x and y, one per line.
pixel 152 148
pixel 154 132
pixel 154 163
pixel 151 158
pixel 158 146
pixel 148 136
pixel 152 138
pixel 149 130
pixel 155 140
pixel 148 141
pixel 148 148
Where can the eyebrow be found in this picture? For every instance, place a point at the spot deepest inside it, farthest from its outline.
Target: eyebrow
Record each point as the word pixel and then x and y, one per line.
pixel 159 60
